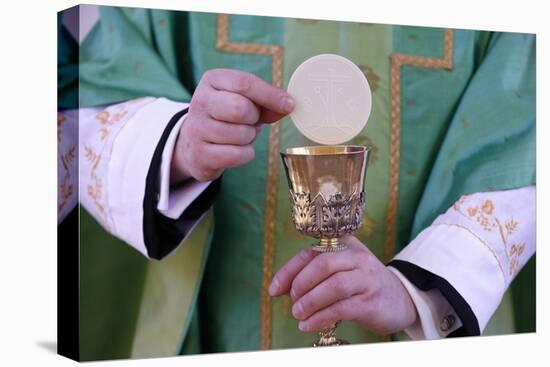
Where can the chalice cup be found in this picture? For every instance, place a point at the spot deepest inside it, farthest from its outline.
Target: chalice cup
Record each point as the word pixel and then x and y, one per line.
pixel 327 197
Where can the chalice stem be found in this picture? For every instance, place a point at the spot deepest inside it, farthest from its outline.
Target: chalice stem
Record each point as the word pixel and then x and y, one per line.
pixel 329 245
pixel 327 337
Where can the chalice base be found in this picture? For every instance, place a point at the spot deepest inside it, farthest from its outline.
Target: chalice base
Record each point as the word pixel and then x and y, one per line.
pixel 327 337
pixel 336 342
pixel 329 245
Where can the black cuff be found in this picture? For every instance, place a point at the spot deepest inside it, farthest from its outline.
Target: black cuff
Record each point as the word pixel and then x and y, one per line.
pixel 425 280
pixel 160 233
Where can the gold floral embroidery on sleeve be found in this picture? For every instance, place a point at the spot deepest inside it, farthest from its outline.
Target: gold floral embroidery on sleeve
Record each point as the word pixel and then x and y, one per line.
pixel 485 215
pixel 511 225
pixel 60 121
pixel 95 187
pixel 110 118
pixel 113 115
pixel 103 133
pixel 481 213
pixel 516 250
pixel 107 118
pixel 96 154
pixel 65 186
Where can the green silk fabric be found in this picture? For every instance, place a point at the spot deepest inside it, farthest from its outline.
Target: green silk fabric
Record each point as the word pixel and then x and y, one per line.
pixel 467 129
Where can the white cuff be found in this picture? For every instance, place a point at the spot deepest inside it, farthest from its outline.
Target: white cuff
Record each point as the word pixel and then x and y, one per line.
pixel 436 317
pixel 174 200
pixel 131 156
pixel 478 246
pixel 465 261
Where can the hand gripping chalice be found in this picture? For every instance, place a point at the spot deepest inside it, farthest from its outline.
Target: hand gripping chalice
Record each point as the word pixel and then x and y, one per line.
pixel 327 199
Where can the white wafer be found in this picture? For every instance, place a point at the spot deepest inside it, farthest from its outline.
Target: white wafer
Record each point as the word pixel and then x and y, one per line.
pixel 333 99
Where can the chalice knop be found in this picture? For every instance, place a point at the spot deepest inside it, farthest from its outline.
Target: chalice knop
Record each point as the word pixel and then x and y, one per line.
pixel 327 199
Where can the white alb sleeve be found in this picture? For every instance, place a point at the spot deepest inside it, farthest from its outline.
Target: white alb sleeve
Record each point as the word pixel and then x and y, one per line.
pixel 478 246
pixel 116 146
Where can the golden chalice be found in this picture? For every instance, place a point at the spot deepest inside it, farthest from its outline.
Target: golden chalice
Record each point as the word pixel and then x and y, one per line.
pixel 327 198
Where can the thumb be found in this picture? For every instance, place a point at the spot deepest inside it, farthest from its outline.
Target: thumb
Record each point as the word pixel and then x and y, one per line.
pixel 269 116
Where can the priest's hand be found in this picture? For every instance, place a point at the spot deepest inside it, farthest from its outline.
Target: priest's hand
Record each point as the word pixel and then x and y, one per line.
pixel 225 117
pixel 348 285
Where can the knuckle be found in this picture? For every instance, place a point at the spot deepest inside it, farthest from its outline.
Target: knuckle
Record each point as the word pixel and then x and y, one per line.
pixel 325 264
pixel 242 83
pixel 308 304
pixel 208 75
pixel 237 110
pixel 235 157
pixel 230 160
pixel 199 103
pixel 370 272
pixel 243 132
pixel 282 97
pixel 240 156
pixel 283 275
pixel 369 307
pixel 339 285
pixel 363 252
pixel 304 255
pixel 361 257
pixel 365 298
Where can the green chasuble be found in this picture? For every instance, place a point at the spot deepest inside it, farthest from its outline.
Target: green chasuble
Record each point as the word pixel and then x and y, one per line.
pixel 453 112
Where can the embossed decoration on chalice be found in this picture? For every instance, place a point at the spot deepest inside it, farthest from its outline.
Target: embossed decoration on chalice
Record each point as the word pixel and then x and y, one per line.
pixel 327 218
pixel 326 193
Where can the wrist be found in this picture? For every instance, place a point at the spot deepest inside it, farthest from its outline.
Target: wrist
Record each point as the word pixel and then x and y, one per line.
pixel 412 317
pixel 178 173
pixel 409 312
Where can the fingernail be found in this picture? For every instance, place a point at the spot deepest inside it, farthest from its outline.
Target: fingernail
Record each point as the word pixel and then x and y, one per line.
pixel 302 326
pixel 288 104
pixel 297 310
pixel 274 286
